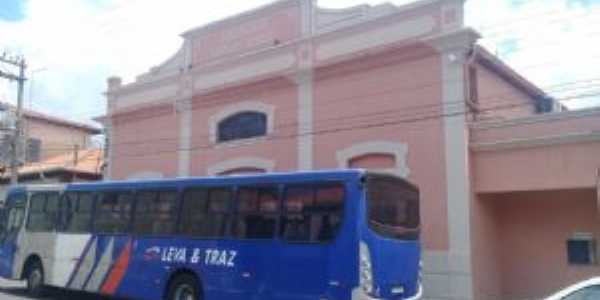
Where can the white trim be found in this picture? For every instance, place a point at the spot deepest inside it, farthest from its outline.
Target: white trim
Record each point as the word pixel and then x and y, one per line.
pixel 110 149
pixel 551 140
pixel 398 150
pixel 185 137
pixel 482 125
pixel 247 106
pixel 239 163
pixel 304 83
pixel 145 175
pixel 458 189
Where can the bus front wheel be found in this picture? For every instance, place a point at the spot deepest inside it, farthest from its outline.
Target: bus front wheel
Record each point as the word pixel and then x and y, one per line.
pixel 35 279
pixel 184 287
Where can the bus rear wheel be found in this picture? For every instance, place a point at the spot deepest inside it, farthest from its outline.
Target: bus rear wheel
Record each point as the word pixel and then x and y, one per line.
pixel 184 287
pixel 35 279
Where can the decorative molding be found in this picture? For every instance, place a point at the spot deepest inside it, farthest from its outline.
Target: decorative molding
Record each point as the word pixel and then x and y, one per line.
pixel 375 38
pixel 146 96
pixel 239 163
pixel 252 70
pixel 456 41
pixel 247 106
pixel 551 140
pixel 145 175
pixel 398 150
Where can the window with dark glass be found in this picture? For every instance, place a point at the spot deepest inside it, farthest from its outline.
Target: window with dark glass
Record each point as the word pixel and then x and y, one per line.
pixel 242 126
pixel 393 207
pixel 76 212
pixel 113 212
pixel 206 213
pixel 581 251
pixel 312 213
pixel 257 213
pixel 34 149
pixel 43 212
pixel 155 212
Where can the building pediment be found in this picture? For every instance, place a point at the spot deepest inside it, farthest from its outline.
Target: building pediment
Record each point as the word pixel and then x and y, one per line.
pixel 281 39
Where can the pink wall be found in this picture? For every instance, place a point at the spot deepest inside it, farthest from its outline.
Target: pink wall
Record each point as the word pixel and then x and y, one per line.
pixel 533 230
pixel 396 87
pixel 280 147
pixel 246 34
pixel 145 140
pixel 500 99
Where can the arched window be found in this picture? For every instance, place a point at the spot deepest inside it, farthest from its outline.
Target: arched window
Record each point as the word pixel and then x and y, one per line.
pixel 242 171
pixel 242 125
pixel 383 156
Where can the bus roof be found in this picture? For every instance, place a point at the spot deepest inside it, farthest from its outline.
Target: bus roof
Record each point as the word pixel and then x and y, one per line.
pixel 300 176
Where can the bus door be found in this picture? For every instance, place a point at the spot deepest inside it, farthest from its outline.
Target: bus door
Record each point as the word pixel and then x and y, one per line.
pixel 306 255
pixel 12 220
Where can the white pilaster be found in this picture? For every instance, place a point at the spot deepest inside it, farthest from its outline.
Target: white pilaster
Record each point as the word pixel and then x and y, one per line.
pixel 304 80
pixel 184 111
pixel 453 49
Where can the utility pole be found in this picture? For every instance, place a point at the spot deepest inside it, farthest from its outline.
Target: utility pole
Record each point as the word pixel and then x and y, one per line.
pixel 17 138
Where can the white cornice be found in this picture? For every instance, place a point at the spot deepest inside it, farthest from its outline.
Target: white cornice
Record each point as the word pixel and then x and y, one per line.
pixel 520 143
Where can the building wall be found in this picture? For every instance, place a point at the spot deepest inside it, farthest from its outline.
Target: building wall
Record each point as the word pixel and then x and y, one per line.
pixel 279 146
pixel 499 99
pixel 383 99
pixel 533 230
pixel 56 139
pixel 145 141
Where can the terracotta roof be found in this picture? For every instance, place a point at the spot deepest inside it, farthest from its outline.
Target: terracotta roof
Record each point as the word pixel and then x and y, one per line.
pixel 53 119
pixel 89 162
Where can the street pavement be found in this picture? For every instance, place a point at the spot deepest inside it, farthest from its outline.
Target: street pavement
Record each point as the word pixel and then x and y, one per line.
pixel 11 290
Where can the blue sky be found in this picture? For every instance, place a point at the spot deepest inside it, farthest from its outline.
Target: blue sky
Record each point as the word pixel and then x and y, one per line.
pixel 74 45
pixel 11 10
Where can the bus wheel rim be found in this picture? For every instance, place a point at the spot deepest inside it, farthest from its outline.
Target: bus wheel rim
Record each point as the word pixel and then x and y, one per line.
pixel 184 292
pixel 35 278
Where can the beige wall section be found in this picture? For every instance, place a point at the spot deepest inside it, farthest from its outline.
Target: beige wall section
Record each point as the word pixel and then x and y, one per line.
pixel 56 139
pixel 500 99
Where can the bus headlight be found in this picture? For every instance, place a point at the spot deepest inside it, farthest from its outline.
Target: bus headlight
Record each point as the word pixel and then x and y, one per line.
pixel 365 269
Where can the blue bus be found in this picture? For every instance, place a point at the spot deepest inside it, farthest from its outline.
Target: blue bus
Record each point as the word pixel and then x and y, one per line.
pixel 333 235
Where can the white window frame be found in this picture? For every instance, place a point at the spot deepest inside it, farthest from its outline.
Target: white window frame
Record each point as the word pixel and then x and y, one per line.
pixel 398 150
pixel 240 107
pixel 241 163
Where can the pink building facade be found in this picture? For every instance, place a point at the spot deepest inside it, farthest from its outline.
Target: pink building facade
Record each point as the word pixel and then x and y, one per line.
pixel 507 193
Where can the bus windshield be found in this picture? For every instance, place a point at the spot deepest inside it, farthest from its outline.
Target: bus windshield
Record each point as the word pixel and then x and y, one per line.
pixel 393 207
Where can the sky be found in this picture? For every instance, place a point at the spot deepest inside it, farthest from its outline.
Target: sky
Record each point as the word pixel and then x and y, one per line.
pixel 72 46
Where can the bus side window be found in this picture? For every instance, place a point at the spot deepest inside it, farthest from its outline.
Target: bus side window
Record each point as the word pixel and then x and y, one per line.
pixel 76 216
pixel 155 212
pixel 206 212
pixel 113 212
pixel 37 217
pixel 258 210
pixel 312 213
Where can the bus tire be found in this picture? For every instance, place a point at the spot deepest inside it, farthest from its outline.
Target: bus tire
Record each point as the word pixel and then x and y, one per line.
pixel 34 277
pixel 184 287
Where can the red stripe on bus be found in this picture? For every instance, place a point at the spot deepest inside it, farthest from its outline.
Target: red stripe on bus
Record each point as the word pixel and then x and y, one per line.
pixel 117 272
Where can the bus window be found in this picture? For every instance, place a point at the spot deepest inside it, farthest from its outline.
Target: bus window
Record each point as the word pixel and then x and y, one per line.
pixel 206 212
pixel 258 210
pixel 113 212
pixel 393 208
pixel 43 211
pixel 155 212
pixel 76 211
pixel 312 213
